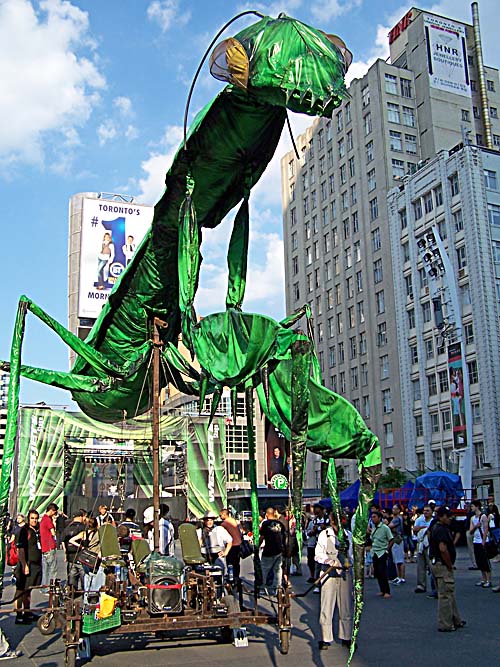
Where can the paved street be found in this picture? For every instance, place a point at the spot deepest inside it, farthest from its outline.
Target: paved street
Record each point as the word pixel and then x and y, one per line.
pixel 394 632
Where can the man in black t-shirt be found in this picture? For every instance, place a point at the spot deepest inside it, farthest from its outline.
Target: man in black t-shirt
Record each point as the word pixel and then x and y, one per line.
pixel 272 531
pixel 74 569
pixel 28 571
pixel 442 553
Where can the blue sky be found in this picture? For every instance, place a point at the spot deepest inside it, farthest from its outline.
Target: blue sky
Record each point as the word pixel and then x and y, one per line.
pixel 92 99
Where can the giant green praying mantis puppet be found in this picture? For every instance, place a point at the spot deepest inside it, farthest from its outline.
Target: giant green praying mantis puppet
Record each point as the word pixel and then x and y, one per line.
pixel 271 66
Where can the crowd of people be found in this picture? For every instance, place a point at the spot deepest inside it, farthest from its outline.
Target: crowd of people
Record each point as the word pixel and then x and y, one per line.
pixel 394 538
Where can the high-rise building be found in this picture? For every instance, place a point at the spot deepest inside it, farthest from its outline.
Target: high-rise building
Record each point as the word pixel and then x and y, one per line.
pixel 338 256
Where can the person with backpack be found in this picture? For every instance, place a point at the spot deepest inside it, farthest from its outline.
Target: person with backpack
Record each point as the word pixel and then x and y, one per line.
pixel 74 569
pixel 443 554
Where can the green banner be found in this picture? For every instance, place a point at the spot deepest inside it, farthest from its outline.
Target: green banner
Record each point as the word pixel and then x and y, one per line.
pixel 206 467
pixel 41 459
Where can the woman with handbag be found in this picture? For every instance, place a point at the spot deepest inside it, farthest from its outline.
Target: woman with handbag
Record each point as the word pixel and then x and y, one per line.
pixel 479 530
pixel 89 555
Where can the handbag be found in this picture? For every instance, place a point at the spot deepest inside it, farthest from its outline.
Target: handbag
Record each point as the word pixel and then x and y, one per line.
pixel 89 559
pixel 246 549
pixel 12 554
pixel 491 549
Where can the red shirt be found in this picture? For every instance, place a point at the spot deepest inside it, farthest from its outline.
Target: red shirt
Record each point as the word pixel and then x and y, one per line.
pixel 47 540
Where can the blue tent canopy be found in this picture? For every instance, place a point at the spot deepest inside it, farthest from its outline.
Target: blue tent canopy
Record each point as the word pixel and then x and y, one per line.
pixel 349 497
pixel 443 487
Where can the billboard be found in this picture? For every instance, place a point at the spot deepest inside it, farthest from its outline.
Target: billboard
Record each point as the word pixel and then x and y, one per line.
pixel 446 55
pixel 455 370
pixel 279 464
pixel 111 233
pixel 206 468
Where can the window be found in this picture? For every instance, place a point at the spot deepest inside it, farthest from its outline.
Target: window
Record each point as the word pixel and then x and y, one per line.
pixel 320 332
pixel 408 286
pixel 349 284
pixel 350 143
pixel 331 183
pixel 493 112
pixel 309 282
pixel 342 382
pixel 296 291
pixel 479 139
pixel 307 230
pixel 352 167
pixel 458 220
pixel 340 323
pixel 355 222
pixel 347 110
pixel 366 401
pixel 391 84
pixel 395 141
pixel 294 241
pixel 378 274
pixel 335 237
pixel 398 168
pixel 308 255
pixel 293 217
pixel 429 349
pixel 446 420
pixel 387 401
pixel 340 355
pixel 476 412
pixel 406 251
pixel 360 308
pixel 341 148
pixel 331 356
pixel 426 311
pixel 384 366
pixel 316 250
pixel 417 392
pixel 423 278
pixel 336 266
pixel 405 88
pixel 344 200
pixel 354 378
pixel 461 257
pixel 475 112
pixel 319 308
pixel 365 96
pixel 356 251
pixel 352 347
pixel 408 117
pixel 354 195
pixel 380 301
pixel 329 158
pixel 443 381
pixel 313 199
pixel 291 169
pixel 343 174
pixel 381 334
pixel 311 149
pixel 469 333
pixel 369 151
pixel 496 252
pixel 454 185
pixel 359 282
pixel 367 121
pixel 438 195
pixel 328 270
pixel 389 434
pixel 472 371
pixel 373 209
pixel 411 144
pixel 340 121
pixel 328 130
pixel 295 265
pixel 490 179
pixel 306 205
pixel 403 218
pixel 292 191
pixel 237 441
pixel 326 243
pixel 324 192
pixel 428 202
pixel 479 454
pixel 348 258
pixel 362 343
pixel 393 115
pixel 494 214
pixel 417 209
pixel 466 115
pixel 329 299
pixel 321 139
pixel 435 429
pixel 372 184
pixel 490 85
pixel 431 384
pixel 411 318
pixel 345 225
pixel 322 169
pixel 413 354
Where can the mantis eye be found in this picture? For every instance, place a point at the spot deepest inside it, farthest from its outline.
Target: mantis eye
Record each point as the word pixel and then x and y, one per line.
pixel 229 62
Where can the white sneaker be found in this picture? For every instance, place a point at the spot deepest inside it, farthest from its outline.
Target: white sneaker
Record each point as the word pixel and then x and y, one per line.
pixel 396 581
pixel 316 590
pixel 402 581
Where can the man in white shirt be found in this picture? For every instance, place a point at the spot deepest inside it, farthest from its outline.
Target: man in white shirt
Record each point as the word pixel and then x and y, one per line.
pixel 215 541
pixel 337 588
pixel 421 531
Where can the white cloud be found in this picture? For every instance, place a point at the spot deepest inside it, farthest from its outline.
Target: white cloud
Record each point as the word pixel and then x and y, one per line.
pixel 166 13
pixel 124 106
pixel 380 49
pixel 326 10
pixel 48 87
pixel 131 132
pixel 106 131
pixel 149 188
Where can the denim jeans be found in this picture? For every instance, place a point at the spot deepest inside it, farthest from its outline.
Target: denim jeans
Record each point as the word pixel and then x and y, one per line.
pixel 49 567
pixel 272 563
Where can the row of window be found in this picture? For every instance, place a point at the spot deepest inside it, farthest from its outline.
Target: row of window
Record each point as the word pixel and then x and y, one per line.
pixel 441 421
pixel 391 86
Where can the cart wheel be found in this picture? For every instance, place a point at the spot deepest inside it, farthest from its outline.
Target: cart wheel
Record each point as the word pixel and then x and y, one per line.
pixel 46 624
pixel 70 657
pixel 284 641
